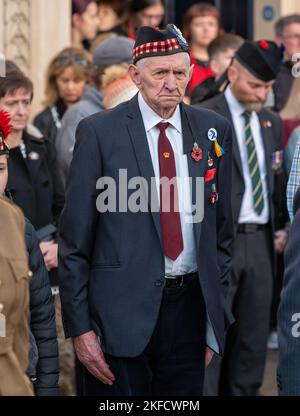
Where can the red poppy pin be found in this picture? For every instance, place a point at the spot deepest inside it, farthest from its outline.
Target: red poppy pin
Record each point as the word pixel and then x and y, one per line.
pixel 196 153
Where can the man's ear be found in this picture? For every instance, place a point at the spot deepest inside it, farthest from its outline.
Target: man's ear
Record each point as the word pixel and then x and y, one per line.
pixel 191 70
pixel 232 74
pixel 134 73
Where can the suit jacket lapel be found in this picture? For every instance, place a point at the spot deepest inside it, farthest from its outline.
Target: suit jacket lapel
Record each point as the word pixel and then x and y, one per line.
pixel 143 156
pixel 191 134
pixel 223 109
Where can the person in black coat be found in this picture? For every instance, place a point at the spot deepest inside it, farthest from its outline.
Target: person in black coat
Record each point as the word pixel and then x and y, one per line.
pixel 33 182
pixel 33 175
pixel 257 162
pixel 66 78
pixel 43 357
pixel 42 320
pixel 143 293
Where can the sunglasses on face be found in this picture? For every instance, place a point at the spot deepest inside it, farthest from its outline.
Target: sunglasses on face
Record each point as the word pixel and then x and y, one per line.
pixel 72 60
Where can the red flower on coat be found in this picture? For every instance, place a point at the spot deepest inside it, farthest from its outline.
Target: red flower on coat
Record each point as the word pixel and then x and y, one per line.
pixel 197 153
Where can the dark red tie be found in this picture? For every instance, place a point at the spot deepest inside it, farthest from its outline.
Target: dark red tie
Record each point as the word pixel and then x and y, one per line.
pixel 170 220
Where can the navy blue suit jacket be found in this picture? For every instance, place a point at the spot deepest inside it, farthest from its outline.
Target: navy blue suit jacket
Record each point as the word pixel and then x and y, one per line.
pixel 288 373
pixel 112 264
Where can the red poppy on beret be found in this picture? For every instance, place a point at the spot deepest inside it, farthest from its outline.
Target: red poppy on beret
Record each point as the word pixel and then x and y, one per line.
pixel 264 44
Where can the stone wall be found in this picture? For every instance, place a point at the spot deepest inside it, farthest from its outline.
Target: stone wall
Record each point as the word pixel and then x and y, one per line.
pixel 31 33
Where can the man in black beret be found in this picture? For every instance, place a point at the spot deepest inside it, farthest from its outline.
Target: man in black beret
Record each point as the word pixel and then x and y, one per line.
pixel 143 285
pixel 257 160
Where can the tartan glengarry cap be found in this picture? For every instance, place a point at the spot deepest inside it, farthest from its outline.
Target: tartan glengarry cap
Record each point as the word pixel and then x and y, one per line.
pixel 155 42
pixel 262 58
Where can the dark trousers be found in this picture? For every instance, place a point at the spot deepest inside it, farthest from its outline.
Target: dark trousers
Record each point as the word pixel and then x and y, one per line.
pixel 240 372
pixel 173 362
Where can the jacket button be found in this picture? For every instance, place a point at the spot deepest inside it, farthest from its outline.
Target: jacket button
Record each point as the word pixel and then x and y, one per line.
pixel 158 283
pixel 1 307
pixel 30 274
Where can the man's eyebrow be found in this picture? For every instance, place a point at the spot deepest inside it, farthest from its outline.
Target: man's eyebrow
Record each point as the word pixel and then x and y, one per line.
pixel 255 83
pixel 160 68
pixel 182 69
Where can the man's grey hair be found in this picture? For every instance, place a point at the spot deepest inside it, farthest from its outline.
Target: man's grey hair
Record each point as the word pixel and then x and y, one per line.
pixel 285 21
pixel 141 63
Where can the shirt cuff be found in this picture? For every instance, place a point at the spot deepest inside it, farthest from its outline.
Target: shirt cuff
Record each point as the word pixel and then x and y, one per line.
pixel 211 339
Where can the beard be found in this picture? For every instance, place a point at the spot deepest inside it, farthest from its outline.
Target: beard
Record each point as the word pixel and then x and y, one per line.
pixel 247 100
pixel 254 106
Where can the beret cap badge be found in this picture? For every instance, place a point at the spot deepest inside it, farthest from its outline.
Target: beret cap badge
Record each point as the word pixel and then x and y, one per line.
pixel 181 40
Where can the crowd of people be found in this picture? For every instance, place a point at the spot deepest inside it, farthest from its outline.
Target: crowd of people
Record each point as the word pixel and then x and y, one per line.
pixel 88 298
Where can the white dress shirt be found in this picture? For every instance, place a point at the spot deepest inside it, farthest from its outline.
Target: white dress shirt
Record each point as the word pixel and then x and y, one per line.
pixel 247 213
pixel 186 262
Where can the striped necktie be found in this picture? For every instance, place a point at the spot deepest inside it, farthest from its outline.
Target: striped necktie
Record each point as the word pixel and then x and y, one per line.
pixel 257 189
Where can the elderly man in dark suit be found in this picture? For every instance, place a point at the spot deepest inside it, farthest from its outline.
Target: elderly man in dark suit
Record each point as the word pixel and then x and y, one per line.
pixel 288 373
pixel 256 159
pixel 143 290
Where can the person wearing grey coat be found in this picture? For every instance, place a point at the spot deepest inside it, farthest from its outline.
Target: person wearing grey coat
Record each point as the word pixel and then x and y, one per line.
pixel 112 51
pixel 90 103
pixel 288 372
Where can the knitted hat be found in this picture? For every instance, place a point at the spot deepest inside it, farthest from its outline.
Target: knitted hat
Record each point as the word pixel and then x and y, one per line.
pixel 117 86
pixel 113 51
pixel 155 42
pixel 261 58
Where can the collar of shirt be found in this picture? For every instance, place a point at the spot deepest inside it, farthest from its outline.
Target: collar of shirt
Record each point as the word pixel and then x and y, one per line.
pixel 151 118
pixel 236 108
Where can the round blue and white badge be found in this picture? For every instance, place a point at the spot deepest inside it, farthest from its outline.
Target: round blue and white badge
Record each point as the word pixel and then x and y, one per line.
pixel 212 135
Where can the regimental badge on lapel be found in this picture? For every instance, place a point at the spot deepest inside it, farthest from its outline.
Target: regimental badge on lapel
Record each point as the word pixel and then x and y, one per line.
pixel 277 159
pixel 267 124
pixel 196 153
pixel 33 156
pixel 212 135
pixel 210 160
pixel 214 197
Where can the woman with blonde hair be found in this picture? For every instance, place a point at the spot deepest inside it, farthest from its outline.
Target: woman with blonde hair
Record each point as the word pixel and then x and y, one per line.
pixel 66 78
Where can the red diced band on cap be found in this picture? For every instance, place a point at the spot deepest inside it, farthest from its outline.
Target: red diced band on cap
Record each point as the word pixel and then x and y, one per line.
pixel 156 47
